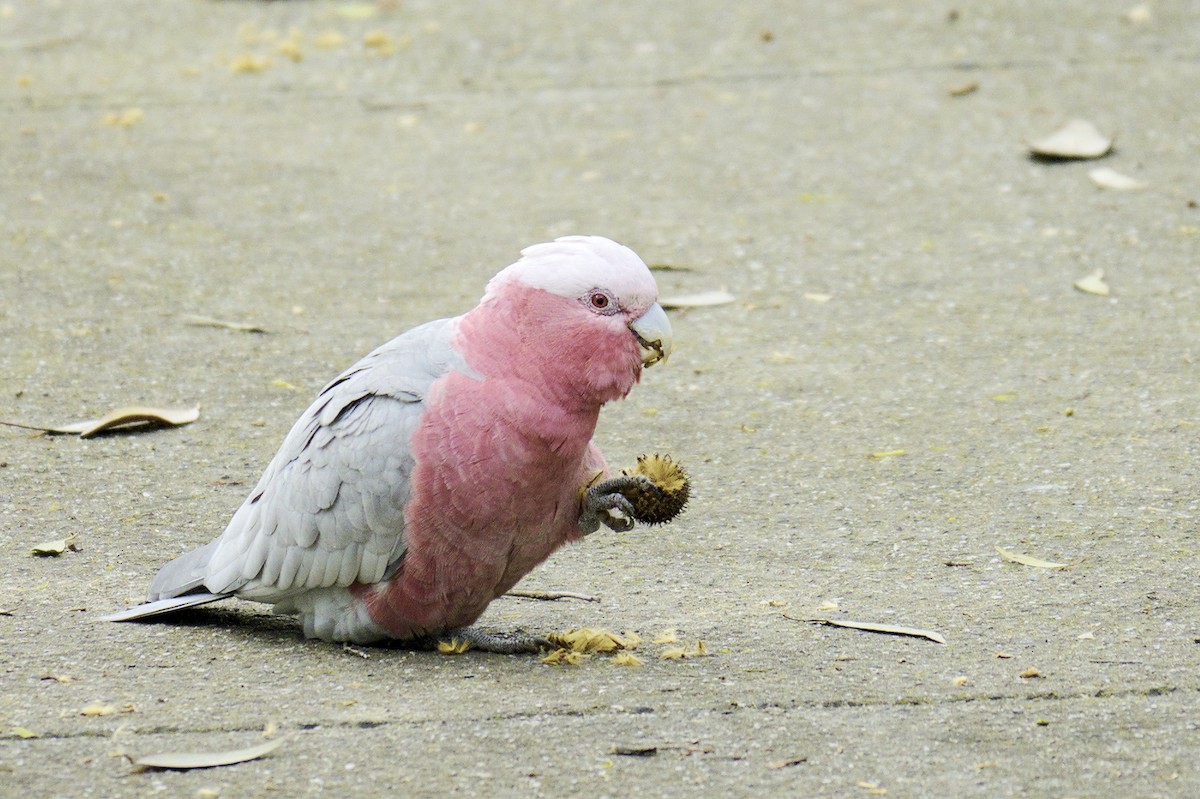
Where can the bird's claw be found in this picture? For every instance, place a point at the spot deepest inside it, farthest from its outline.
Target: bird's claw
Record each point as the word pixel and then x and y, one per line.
pixel 603 503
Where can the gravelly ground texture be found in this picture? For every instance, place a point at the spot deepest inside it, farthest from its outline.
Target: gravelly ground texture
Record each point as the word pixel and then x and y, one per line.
pixel 171 158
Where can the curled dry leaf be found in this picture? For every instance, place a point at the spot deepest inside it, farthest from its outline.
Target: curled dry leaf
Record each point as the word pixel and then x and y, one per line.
pixel 1107 178
pixel 191 760
pixel 1093 284
pixel 208 321
pixel 1029 560
pixel 1078 139
pixel 635 750
pixel 703 299
pixel 133 417
pixel 50 549
pixel 888 629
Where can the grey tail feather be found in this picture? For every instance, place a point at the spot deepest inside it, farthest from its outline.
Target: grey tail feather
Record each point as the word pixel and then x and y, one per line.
pixel 183 575
pixel 161 606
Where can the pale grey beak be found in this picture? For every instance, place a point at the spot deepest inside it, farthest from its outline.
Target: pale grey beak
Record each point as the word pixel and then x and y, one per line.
pixel 653 332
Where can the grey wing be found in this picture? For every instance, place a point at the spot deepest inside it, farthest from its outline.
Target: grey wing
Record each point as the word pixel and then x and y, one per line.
pixel 329 509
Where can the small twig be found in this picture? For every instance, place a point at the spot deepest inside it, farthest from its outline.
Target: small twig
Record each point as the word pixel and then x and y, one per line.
pixel 553 595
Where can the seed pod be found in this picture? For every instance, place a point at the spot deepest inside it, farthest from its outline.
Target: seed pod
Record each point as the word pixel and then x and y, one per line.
pixel 670 494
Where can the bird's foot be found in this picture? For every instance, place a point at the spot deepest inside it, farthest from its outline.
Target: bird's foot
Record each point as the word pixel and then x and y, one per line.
pixel 463 638
pixel 604 503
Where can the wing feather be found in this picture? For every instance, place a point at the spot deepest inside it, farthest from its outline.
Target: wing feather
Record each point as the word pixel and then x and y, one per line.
pixel 329 508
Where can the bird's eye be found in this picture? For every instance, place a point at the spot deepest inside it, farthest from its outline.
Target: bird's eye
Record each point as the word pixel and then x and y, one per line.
pixel 600 301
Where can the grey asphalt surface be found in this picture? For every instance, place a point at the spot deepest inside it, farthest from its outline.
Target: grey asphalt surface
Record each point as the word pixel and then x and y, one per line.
pixel 780 151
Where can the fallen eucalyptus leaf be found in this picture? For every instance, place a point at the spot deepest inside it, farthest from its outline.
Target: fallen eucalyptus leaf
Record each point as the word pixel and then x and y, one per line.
pixel 1077 139
pixel 1093 284
pixel 550 596
pixel 1028 560
pixel 703 299
pixel 963 89
pixel 52 549
pixel 1107 178
pixel 888 629
pixel 635 750
pixel 191 760
pixel 208 321
pixel 122 417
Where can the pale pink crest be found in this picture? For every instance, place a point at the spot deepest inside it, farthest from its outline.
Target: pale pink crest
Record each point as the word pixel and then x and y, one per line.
pixel 571 266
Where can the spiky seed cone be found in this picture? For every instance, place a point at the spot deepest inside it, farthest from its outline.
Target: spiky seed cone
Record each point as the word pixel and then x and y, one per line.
pixel 663 505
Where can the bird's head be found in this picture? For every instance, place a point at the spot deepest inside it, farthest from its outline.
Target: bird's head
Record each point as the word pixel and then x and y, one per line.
pixel 587 303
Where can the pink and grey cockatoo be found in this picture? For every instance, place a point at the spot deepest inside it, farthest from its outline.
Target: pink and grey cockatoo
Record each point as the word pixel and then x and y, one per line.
pixel 431 476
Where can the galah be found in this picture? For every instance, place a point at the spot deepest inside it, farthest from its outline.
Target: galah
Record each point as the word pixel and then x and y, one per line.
pixel 428 478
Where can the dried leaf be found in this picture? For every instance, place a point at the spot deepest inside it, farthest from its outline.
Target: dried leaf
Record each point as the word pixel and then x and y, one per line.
pixel 550 596
pixel 191 760
pixel 1107 178
pixel 54 548
pixel 703 299
pixel 1093 284
pixel 963 89
pixel 1077 139
pixel 60 678
pixel 122 417
pixel 889 629
pixel 208 321
pixel 627 750
pixel 1027 560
